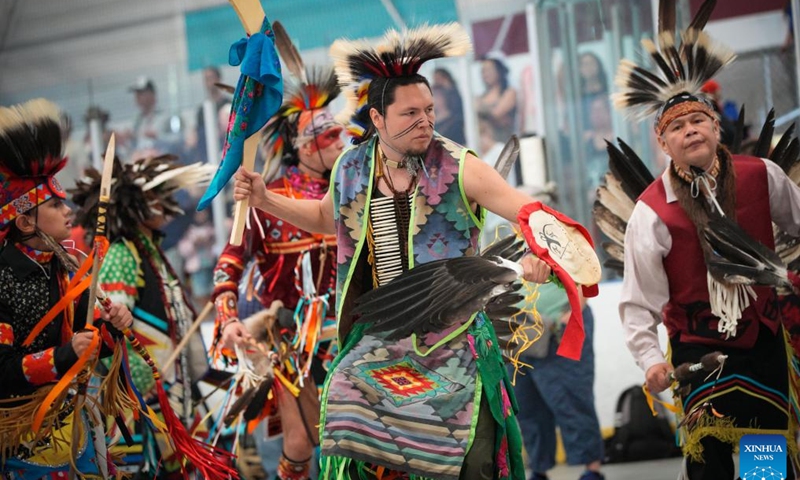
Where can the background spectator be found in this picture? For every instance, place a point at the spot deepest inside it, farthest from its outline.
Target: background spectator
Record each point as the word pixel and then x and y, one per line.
pixel 563 392
pixel 593 83
pixel 450 105
pixel 446 123
pixel 528 108
pixel 197 249
pixel 211 76
pixel 499 99
pixel 152 132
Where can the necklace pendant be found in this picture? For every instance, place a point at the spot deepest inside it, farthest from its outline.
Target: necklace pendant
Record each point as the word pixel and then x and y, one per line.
pixel 394 164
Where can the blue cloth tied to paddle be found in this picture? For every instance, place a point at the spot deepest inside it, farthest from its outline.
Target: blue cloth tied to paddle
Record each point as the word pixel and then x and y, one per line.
pixel 258 96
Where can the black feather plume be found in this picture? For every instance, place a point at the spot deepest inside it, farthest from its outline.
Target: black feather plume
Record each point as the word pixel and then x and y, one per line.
pixel 258 400
pixel 240 405
pixel 738 132
pixel 782 153
pixel 666 16
pixel 703 14
pixel 626 165
pixel 679 68
pixel 782 146
pixel 765 137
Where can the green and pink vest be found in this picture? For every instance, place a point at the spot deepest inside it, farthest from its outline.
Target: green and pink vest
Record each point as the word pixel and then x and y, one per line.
pixel 442 223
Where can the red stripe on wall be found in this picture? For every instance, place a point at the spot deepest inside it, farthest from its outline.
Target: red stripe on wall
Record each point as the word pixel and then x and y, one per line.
pixel 737 8
pixel 485 32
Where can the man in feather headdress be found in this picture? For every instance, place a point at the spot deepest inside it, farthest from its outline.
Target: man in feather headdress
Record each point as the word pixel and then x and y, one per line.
pixel 437 406
pixel 668 274
pixel 136 273
pixel 34 280
pixel 295 267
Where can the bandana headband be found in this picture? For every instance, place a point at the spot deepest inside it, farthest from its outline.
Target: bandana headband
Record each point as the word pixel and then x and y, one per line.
pixel 31 199
pixel 681 105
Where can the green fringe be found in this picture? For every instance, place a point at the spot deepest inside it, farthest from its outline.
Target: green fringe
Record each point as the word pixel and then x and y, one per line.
pixel 340 468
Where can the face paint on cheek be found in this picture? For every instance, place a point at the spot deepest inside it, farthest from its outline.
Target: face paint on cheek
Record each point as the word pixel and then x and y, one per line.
pixel 409 129
pixel 326 139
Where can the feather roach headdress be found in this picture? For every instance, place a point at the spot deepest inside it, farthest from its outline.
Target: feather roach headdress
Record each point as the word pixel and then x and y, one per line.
pixel 30 156
pixel 673 88
pixel 140 191
pixel 362 66
pixel 304 113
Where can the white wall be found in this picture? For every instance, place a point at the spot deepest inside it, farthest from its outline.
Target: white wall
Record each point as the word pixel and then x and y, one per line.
pixel 750 32
pixel 615 369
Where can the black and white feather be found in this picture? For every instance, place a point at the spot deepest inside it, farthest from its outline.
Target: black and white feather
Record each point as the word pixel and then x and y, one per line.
pixel 786 154
pixel 30 140
pixel 680 67
pixel 739 259
pixel 435 295
pixel 625 181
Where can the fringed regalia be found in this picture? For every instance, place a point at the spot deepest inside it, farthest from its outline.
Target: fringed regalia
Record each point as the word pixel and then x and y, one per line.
pixel 285 259
pixel 415 407
pixel 136 273
pixel 293 273
pixel 33 281
pixel 38 366
pixel 677 237
pixel 752 393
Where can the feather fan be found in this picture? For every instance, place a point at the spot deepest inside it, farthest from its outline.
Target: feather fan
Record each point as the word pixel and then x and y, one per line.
pixel 739 259
pixel 434 295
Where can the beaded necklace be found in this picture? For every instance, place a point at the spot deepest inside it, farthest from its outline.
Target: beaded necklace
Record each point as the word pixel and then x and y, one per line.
pixel 687 177
pixel 39 256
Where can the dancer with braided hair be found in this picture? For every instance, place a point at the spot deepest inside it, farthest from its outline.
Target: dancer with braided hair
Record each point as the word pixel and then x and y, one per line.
pixel 671 270
pixel 42 335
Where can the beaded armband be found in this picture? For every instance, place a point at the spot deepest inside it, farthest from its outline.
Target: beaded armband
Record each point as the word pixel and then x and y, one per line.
pixel 225 304
pixel 227 312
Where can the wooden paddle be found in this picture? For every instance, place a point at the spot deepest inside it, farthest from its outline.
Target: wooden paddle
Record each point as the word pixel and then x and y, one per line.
pixel 251 14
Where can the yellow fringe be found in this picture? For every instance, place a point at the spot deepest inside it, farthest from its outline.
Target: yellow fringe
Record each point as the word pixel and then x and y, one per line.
pixel 794 398
pixel 115 399
pixel 709 426
pixel 652 399
pixel 723 429
pixel 15 421
pixel 526 332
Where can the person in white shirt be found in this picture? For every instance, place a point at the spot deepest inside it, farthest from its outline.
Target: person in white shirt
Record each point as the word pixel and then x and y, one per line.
pixel 666 279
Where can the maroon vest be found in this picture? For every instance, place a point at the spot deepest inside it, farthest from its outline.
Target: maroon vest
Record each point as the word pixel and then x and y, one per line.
pixel 688 312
